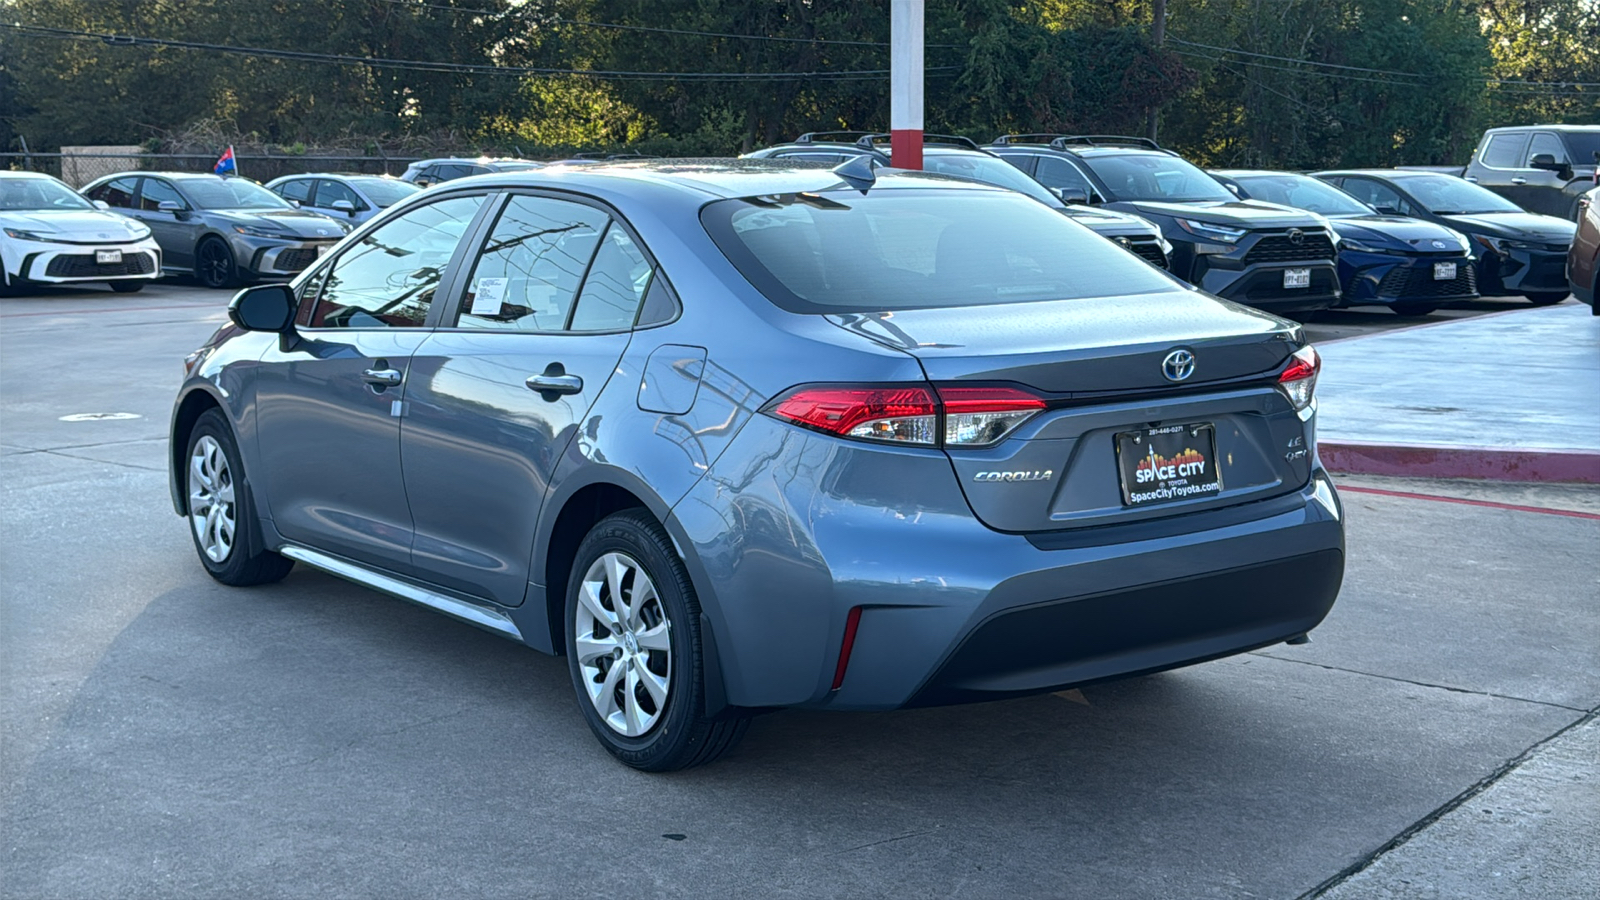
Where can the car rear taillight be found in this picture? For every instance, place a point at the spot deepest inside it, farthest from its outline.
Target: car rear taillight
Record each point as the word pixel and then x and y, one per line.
pixel 1299 380
pixel 979 416
pixel 909 414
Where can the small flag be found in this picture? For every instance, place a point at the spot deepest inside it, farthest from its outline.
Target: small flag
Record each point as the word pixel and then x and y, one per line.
pixel 225 164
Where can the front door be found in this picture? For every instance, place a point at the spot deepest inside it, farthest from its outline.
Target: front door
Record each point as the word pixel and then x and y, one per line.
pixel 493 403
pixel 330 402
pixel 176 232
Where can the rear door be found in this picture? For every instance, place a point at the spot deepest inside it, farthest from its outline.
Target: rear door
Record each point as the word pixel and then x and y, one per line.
pixel 493 402
pixel 330 402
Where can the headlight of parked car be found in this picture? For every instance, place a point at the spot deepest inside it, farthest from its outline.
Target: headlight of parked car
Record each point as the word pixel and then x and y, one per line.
pixel 43 237
pixel 1504 245
pixel 1223 233
pixel 258 231
pixel 138 230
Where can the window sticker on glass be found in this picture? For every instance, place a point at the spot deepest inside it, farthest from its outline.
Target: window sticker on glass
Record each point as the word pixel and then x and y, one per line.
pixel 488 296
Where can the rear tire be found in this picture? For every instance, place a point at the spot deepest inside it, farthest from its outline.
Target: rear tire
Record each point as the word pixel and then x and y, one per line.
pixel 634 652
pixel 214 265
pixel 220 511
pixel 1547 298
pixel 127 287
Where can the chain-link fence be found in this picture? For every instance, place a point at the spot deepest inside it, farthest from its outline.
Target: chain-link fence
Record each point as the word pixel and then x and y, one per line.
pixel 78 169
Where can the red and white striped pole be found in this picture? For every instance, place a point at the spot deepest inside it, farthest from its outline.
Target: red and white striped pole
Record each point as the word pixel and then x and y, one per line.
pixel 905 83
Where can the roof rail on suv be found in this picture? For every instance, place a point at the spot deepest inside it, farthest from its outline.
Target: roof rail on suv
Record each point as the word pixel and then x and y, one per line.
pixel 1095 140
pixel 843 137
pixel 1027 138
pixel 869 140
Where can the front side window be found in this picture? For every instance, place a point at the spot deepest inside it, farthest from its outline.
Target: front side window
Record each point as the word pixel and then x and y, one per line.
pixel 527 275
pixel 1058 173
pixel 298 191
pixel 1544 142
pixel 907 249
pixel 1504 151
pixel 388 278
pixel 156 192
pixel 330 192
pixel 1155 177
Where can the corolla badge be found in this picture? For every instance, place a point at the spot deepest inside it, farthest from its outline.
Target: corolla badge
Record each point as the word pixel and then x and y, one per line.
pixel 1035 475
pixel 1178 365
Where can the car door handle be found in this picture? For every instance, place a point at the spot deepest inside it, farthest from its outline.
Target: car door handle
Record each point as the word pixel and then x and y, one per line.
pixel 550 383
pixel 1519 181
pixel 384 377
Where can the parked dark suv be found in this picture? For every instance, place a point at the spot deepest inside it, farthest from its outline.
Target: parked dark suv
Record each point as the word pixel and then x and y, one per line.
pixel 963 158
pixel 1541 168
pixel 1261 254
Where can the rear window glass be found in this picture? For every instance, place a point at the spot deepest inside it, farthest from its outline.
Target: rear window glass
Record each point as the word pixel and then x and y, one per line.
pixel 910 249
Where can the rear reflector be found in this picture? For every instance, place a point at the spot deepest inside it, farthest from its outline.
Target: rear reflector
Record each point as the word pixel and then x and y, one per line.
pixel 974 416
pixel 1299 380
pixel 849 644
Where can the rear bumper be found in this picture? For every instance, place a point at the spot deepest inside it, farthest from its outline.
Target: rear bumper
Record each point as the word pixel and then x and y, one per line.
pixel 789 532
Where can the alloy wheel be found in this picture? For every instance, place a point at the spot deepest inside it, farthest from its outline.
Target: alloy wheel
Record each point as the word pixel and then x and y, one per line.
pixel 211 499
pixel 216 264
pixel 623 644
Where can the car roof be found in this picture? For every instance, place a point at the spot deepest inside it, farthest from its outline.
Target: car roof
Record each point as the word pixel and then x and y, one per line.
pixel 1246 173
pixel 720 177
pixel 17 173
pixel 1590 128
pixel 1396 174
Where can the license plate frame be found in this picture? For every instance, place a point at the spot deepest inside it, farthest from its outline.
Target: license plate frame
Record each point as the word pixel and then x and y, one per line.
pixel 1444 271
pixel 107 257
pixel 1296 278
pixel 1173 477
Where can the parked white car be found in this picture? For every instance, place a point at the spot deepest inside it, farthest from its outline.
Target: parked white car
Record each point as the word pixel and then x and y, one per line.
pixel 51 234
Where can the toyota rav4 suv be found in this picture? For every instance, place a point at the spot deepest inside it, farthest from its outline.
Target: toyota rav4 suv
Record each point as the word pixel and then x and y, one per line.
pixel 1261 254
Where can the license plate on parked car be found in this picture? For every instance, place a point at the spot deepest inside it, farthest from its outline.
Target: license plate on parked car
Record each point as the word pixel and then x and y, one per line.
pixel 107 256
pixel 1166 464
pixel 1444 271
pixel 1296 278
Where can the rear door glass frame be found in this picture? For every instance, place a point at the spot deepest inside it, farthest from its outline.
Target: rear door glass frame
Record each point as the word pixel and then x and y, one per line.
pixel 450 304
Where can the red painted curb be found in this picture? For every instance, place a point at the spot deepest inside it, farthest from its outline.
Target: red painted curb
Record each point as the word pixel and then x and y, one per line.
pixel 1489 463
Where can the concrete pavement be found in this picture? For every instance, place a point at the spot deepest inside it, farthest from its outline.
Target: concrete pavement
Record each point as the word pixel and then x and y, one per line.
pixel 1513 396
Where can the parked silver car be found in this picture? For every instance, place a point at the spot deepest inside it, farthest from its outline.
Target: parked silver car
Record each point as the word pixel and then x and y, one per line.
pixel 221 230
pixel 740 434
pixel 353 198
pixel 426 172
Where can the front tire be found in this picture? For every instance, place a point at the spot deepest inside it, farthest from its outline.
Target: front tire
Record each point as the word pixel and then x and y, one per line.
pixel 634 651
pixel 220 510
pixel 127 287
pixel 1547 298
pixel 214 265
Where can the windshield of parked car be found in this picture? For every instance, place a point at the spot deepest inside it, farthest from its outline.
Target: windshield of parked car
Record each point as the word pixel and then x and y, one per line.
pixel 988 170
pixel 230 193
pixel 918 248
pixel 385 192
pixel 1447 195
pixel 39 194
pixel 1155 176
pixel 1303 192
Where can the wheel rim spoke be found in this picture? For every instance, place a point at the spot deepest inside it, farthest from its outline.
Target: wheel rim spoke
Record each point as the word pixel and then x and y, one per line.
pixel 622 645
pixel 211 499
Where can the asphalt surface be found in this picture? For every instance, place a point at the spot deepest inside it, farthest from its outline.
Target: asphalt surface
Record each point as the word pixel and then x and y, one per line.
pixel 164 736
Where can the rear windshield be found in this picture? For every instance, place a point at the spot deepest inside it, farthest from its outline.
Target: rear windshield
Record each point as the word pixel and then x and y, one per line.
pixel 910 249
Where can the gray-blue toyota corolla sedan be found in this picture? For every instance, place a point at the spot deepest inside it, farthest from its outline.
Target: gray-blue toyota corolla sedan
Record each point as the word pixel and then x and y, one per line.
pixel 734 435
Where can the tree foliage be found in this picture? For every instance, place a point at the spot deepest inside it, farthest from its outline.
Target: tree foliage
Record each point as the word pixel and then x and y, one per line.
pixel 1298 83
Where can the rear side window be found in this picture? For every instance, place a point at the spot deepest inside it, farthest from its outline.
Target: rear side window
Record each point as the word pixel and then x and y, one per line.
pixel 528 272
pixel 907 249
pixel 117 193
pixel 388 278
pixel 616 284
pixel 1504 151
pixel 298 191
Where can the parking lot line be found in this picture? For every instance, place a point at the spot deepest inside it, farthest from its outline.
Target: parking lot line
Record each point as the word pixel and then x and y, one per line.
pixel 109 309
pixel 1463 500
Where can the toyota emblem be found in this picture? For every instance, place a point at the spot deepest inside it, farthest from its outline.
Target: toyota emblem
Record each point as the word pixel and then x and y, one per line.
pixel 1296 236
pixel 1438 245
pixel 1178 365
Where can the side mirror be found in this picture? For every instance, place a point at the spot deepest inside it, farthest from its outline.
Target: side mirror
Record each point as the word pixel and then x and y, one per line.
pixel 1386 210
pixel 171 206
pixel 1232 188
pixel 1071 195
pixel 344 206
pixel 423 182
pixel 1545 161
pixel 101 204
pixel 265 307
